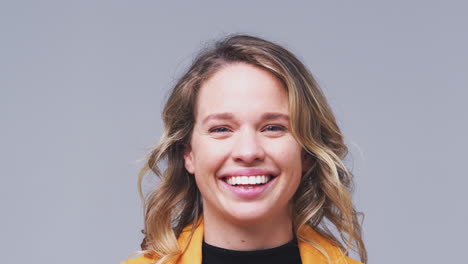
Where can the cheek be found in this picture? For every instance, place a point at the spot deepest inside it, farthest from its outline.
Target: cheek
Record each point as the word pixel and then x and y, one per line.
pixel 208 156
pixel 289 155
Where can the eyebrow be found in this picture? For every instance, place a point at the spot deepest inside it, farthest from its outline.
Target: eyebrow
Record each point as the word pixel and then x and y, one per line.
pixel 275 116
pixel 229 116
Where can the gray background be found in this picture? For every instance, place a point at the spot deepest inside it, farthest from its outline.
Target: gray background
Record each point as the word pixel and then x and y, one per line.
pixel 83 82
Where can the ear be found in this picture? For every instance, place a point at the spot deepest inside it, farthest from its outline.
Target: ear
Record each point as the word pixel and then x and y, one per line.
pixel 307 162
pixel 188 159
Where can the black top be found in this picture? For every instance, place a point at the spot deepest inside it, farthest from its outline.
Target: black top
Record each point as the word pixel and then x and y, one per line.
pixel 285 254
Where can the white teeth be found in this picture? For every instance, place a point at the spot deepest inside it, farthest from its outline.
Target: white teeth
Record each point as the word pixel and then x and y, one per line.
pixel 244 180
pixel 248 180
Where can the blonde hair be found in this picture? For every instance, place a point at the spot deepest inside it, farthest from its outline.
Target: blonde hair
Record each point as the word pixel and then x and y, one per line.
pixel 324 194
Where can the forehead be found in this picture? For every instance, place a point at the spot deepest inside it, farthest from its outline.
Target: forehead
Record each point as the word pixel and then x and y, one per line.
pixel 242 88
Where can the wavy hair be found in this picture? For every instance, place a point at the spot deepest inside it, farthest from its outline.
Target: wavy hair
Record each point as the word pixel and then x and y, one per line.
pixel 324 194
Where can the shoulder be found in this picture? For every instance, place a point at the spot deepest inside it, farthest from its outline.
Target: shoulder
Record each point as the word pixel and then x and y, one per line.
pixel 314 248
pixel 352 261
pixel 138 260
pixel 185 237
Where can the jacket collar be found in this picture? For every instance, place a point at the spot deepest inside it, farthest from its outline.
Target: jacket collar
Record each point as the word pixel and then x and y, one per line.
pixel 309 253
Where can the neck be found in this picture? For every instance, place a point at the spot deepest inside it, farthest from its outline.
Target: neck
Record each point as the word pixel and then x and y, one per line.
pixel 254 235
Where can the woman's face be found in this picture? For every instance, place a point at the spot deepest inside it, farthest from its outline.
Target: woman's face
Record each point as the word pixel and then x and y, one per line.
pixel 246 162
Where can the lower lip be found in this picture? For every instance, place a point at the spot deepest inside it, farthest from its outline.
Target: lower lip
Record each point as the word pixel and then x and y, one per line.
pixel 248 192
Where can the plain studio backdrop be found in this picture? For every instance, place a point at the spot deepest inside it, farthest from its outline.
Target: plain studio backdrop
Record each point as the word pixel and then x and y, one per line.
pixel 83 83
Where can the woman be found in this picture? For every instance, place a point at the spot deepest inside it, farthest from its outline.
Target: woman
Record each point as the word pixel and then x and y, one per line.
pixel 254 165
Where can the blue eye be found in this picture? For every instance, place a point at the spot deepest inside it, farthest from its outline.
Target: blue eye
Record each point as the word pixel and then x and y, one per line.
pixel 219 130
pixel 275 128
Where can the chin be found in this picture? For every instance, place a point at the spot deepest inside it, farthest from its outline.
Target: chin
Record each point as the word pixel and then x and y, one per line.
pixel 251 214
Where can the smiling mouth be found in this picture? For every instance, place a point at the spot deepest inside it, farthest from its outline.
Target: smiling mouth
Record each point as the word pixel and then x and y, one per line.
pixel 248 181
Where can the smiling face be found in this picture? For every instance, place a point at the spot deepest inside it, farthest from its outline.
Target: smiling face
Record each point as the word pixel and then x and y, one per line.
pixel 246 162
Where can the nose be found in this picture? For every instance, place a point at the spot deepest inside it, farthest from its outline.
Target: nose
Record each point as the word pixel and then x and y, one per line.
pixel 247 147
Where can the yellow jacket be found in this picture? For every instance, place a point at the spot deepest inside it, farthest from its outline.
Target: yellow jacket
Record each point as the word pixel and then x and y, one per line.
pixel 309 254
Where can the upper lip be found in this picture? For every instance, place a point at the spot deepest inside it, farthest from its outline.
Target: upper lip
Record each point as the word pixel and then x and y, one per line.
pixel 248 172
